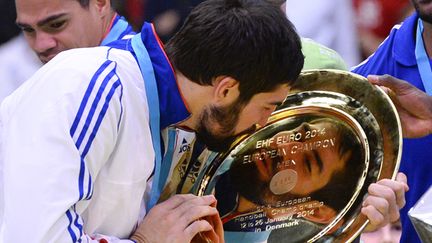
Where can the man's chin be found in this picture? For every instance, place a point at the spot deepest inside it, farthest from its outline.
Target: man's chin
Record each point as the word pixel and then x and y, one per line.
pixel 223 144
pixel 44 59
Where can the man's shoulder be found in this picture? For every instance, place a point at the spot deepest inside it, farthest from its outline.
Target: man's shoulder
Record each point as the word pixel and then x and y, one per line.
pixel 87 58
pixel 381 59
pixel 73 72
pixel 85 63
pixel 397 48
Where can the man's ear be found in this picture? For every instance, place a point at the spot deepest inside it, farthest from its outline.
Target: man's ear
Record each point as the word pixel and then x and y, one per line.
pixel 102 6
pixel 226 90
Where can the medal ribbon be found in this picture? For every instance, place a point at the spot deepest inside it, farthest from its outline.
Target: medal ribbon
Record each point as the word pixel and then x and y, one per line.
pixel 422 58
pixel 116 31
pixel 153 104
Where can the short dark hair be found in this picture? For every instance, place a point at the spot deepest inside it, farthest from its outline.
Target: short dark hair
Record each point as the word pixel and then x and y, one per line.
pixel 251 41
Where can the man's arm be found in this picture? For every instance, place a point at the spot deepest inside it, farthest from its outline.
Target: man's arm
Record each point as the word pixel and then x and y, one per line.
pixel 56 134
pixel 414 106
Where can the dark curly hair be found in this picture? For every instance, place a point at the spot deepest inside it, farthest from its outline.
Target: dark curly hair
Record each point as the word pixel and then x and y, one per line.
pixel 250 41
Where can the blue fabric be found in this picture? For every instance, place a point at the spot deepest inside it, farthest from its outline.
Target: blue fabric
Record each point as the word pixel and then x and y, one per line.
pixel 119 29
pixel 167 160
pixel 422 58
pixel 396 56
pixel 150 86
pixel 171 108
pixel 171 105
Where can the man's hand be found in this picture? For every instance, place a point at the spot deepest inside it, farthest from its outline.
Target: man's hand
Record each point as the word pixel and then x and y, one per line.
pixel 414 106
pixel 179 219
pixel 385 199
pixel 213 236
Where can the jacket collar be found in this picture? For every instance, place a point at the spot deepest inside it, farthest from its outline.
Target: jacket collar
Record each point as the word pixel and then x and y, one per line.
pixel 172 106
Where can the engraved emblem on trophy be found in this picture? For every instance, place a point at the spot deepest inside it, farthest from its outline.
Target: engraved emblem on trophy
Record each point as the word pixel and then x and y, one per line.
pixel 303 176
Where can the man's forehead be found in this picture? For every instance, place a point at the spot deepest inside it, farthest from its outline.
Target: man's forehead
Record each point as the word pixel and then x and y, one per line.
pixel 37 10
pixel 275 96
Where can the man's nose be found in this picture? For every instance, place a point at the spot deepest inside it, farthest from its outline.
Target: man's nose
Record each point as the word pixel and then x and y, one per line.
pixel 264 118
pixel 262 122
pixel 44 42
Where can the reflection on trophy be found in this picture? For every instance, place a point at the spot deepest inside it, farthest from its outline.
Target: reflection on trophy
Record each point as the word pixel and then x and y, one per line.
pixel 303 176
pixel 288 179
pixel 420 216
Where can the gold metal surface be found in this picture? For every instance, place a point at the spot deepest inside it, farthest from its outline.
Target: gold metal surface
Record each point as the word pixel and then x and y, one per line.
pixel 303 176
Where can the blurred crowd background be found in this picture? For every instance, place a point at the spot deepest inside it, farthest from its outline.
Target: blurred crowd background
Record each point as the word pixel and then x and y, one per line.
pixel 354 28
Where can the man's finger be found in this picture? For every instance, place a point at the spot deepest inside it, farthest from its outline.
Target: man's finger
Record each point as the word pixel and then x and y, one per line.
pixel 194 213
pixel 399 189
pixel 196 227
pixel 376 219
pixel 389 81
pixel 175 201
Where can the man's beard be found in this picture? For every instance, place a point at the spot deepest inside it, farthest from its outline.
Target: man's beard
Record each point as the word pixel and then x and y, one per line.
pixel 425 16
pixel 216 128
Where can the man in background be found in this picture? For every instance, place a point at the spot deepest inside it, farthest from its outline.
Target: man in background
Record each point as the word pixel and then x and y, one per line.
pixel 52 26
pixel 406 54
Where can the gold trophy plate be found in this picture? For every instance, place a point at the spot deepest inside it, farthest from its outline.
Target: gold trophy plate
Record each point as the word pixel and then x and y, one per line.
pixel 303 176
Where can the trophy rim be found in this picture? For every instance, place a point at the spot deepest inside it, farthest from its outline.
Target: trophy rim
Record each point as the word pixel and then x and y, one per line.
pixel 379 92
pixel 359 223
pixel 375 91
